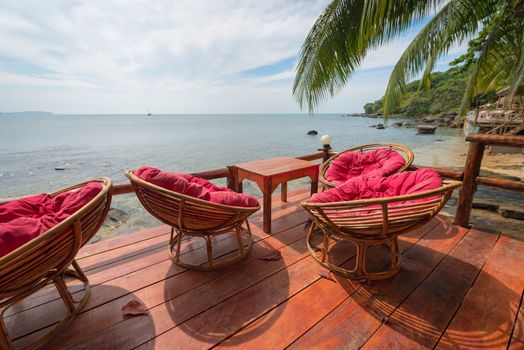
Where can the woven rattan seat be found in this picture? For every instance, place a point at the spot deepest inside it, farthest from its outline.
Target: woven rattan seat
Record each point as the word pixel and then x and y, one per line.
pixel 192 217
pixel 50 259
pixel 371 222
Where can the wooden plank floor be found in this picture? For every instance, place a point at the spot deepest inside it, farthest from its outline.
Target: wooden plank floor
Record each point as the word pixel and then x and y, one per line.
pixel 456 289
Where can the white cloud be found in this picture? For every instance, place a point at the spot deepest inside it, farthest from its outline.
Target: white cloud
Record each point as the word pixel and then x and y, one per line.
pixel 166 53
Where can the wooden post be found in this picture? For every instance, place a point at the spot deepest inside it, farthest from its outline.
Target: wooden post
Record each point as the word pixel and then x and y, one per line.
pixel 326 150
pixel 232 179
pixel 471 171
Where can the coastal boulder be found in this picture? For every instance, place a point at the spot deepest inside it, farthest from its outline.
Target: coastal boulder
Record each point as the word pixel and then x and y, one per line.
pixel 512 213
pixel 312 132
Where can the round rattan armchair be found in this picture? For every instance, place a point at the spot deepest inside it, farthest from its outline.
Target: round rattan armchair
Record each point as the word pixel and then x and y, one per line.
pixel 193 217
pixel 50 259
pixel 404 151
pixel 371 222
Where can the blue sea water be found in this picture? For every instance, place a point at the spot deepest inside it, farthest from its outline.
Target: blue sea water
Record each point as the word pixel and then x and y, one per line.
pixel 86 146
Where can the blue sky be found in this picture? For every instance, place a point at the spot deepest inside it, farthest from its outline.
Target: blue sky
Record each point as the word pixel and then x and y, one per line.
pixel 180 56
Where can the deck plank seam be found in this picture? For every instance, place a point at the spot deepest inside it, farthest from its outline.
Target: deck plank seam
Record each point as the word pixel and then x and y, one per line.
pixel 172 276
pixel 82 256
pixel 469 291
pixel 260 238
pixel 291 202
pixel 515 321
pixel 229 297
pixel 415 288
pixel 318 279
pixel 357 289
pixel 149 285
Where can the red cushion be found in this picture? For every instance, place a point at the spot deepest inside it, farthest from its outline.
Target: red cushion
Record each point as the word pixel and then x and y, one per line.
pixel 377 162
pixel 27 218
pixel 195 187
pixel 366 187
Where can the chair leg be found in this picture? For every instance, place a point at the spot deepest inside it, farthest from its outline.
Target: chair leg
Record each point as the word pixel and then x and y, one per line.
pixel 238 234
pixel 64 293
pixel 178 245
pixel 325 246
pixel 359 271
pixel 5 342
pixel 395 254
pixel 209 248
pixel 360 259
pixel 79 271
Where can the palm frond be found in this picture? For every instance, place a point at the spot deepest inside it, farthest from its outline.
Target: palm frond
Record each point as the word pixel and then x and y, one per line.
pixel 342 36
pixel 452 24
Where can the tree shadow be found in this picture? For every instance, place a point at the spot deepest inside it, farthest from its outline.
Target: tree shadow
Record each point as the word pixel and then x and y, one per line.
pixel 420 303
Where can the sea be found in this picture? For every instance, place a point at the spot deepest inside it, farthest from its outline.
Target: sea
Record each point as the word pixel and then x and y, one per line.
pixel 43 153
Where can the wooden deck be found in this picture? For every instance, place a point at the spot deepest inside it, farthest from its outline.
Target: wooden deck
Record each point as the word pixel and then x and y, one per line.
pixel 456 289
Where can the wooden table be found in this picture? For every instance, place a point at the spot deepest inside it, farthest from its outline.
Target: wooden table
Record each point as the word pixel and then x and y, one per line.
pixel 269 173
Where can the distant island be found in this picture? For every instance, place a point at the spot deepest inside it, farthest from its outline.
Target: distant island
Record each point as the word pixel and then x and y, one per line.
pixel 26 113
pixel 444 96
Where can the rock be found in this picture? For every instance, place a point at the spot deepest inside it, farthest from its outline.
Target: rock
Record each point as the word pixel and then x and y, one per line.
pixel 397 124
pixel 511 213
pixel 59 168
pixel 408 125
pixel 429 119
pixel 117 215
pixel 426 129
pixel 380 126
pixel 94 239
pixel 312 132
pixel 484 205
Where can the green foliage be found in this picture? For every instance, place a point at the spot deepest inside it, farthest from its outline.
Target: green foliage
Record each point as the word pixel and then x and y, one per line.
pixel 444 96
pixel 347 29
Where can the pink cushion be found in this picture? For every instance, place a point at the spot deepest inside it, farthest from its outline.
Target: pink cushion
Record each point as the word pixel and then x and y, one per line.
pixel 366 187
pixel 27 218
pixel 377 162
pixel 195 187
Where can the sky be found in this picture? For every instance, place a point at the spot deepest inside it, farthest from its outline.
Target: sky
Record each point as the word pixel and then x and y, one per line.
pixel 170 56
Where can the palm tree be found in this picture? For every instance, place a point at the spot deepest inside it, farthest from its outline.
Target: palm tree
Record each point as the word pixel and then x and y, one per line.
pixel 347 29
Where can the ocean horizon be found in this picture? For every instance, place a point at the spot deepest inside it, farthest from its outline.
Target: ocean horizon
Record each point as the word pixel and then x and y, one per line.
pixel 45 153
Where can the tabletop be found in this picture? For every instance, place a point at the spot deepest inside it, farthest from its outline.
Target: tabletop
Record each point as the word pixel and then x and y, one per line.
pixel 275 166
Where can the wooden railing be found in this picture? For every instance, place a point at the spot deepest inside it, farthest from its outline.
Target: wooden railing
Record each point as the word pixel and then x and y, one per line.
pixel 217 173
pixel 470 175
pixel 471 178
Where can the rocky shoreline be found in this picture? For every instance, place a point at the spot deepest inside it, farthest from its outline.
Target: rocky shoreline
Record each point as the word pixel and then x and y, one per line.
pixel 442 120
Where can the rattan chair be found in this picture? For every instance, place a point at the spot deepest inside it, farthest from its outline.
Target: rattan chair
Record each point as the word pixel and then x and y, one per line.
pixel 50 259
pixel 372 222
pixel 192 217
pixel 404 151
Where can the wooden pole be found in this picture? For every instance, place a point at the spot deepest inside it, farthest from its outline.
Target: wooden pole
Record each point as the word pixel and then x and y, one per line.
pixel 471 171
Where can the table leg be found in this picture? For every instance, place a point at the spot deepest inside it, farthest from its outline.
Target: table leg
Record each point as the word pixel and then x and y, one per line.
pixel 314 183
pixel 283 191
pixel 267 205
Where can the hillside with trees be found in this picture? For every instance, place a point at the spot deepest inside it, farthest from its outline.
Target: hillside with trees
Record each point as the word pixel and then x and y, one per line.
pixel 444 96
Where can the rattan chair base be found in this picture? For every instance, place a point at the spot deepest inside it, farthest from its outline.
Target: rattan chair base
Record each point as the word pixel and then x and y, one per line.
pixel 359 271
pixel 244 240
pixel 73 307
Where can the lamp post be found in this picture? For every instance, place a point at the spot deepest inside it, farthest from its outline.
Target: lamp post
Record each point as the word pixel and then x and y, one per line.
pixel 326 147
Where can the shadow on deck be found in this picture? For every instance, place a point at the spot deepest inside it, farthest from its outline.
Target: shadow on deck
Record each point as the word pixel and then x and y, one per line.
pixel 456 288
